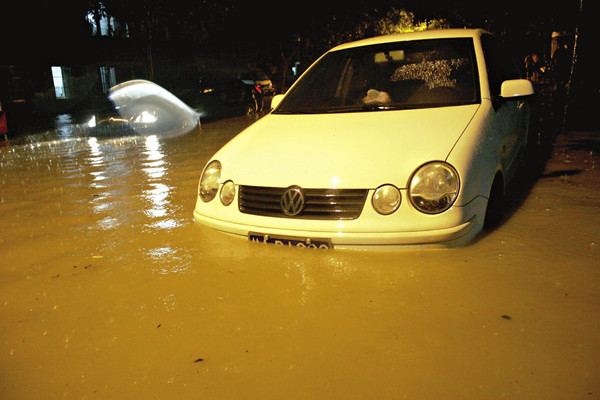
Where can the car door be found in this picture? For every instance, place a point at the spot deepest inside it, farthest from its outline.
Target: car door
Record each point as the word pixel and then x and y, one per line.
pixel 510 117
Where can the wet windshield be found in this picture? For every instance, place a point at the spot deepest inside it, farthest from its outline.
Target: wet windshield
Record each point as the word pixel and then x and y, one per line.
pixel 410 74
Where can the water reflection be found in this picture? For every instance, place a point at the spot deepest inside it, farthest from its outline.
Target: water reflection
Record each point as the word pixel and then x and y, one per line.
pixel 159 210
pixel 108 223
pixel 154 167
pixel 304 279
pixel 168 260
pixel 96 159
pixel 64 124
pixel 157 196
pixel 101 202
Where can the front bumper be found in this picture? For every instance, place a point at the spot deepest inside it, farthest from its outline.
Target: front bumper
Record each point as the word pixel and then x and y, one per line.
pixel 456 234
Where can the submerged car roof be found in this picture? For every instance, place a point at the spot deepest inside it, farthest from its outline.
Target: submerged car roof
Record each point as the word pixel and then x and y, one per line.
pixel 400 37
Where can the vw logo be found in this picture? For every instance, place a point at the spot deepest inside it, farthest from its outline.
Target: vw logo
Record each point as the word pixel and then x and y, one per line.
pixel 292 201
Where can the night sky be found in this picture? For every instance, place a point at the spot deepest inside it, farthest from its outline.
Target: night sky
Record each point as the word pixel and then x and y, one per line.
pixel 55 32
pixel 37 22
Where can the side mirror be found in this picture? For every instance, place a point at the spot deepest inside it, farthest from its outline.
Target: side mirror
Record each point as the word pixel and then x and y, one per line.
pixel 276 100
pixel 516 88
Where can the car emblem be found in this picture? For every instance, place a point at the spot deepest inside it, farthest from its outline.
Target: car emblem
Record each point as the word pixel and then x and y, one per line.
pixel 292 201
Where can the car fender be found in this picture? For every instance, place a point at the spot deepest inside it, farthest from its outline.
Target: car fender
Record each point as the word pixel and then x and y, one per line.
pixel 477 155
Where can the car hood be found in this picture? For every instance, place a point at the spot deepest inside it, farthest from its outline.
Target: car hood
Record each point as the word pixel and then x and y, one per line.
pixel 342 150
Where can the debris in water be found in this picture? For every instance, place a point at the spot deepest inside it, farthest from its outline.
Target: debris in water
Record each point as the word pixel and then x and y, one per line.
pixel 199 360
pixel 508 317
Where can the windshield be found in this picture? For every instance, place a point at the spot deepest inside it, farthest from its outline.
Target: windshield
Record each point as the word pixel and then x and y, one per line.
pixel 410 74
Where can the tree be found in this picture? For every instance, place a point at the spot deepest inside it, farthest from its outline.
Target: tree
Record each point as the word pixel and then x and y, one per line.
pixel 402 21
pixel 381 22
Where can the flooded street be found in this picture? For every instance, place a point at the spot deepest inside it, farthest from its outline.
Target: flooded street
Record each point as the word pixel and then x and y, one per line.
pixel 110 290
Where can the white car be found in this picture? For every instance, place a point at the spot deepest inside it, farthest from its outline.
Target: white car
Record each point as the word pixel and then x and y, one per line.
pixel 401 140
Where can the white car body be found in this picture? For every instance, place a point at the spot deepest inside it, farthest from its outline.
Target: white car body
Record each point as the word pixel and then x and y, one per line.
pixel 365 150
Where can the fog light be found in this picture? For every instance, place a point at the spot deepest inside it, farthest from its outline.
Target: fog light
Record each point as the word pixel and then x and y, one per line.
pixel 227 193
pixel 386 199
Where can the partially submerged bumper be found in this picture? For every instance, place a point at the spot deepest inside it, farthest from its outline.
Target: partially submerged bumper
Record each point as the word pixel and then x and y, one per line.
pixel 454 235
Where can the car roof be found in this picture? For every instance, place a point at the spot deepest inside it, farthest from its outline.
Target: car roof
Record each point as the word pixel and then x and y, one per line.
pixel 423 35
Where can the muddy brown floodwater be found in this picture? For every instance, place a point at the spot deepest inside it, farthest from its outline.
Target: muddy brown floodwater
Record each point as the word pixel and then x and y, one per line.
pixel 110 290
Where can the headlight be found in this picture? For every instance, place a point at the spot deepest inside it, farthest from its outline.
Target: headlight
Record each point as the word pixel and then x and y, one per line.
pixel 434 187
pixel 386 199
pixel 209 182
pixel 227 193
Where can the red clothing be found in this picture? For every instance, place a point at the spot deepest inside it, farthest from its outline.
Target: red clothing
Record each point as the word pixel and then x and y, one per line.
pixel 3 127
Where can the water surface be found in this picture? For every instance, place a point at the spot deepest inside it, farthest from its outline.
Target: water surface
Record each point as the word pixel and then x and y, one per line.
pixel 110 290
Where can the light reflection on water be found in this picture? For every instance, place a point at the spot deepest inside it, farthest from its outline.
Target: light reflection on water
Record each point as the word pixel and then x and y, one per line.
pixel 158 197
pixel 111 191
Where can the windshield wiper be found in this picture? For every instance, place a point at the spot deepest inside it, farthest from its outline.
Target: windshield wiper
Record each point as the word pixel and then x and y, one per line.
pixel 380 107
pixel 301 111
pixel 366 107
pixel 348 109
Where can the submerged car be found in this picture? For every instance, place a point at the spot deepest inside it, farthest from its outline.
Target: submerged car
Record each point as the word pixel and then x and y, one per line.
pixel 219 95
pixel 111 123
pixel 258 79
pixel 140 107
pixel 401 140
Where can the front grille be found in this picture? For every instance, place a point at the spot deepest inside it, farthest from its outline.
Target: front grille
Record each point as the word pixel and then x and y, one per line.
pixel 328 204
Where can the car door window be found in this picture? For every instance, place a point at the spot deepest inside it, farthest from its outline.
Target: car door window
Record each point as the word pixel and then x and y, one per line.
pixel 499 64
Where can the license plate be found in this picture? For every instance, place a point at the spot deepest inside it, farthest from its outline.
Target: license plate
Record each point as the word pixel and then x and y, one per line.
pixel 292 241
